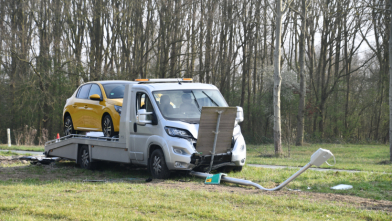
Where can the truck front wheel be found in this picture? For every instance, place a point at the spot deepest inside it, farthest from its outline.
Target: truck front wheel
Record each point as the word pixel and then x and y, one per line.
pixel 157 165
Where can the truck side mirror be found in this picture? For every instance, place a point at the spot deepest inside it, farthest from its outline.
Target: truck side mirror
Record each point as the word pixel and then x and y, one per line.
pixel 240 115
pixel 141 117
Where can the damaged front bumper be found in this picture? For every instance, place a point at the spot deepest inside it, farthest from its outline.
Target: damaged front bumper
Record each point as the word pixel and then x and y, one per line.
pixel 236 157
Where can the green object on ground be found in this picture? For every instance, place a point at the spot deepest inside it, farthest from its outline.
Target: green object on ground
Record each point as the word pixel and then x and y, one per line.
pixel 214 178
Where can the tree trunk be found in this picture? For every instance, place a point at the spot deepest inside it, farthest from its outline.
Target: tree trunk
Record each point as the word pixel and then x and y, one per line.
pixel 390 83
pixel 302 92
pixel 277 80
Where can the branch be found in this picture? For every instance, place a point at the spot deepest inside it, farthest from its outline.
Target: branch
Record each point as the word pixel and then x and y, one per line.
pixel 295 10
pixel 268 4
pixel 32 66
pixel 287 6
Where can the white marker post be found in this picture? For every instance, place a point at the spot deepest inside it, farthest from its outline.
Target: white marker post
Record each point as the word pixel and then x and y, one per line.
pixel 9 137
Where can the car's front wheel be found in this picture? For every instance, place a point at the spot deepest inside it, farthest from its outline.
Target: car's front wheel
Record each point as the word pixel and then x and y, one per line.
pixel 68 126
pixel 107 126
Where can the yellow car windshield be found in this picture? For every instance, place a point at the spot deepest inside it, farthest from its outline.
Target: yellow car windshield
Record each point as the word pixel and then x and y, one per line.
pixel 114 91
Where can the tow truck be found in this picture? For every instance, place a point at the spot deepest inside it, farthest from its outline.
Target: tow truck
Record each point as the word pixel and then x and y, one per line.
pixel 160 133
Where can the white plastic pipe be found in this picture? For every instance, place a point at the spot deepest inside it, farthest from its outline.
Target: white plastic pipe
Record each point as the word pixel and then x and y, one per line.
pixel 317 158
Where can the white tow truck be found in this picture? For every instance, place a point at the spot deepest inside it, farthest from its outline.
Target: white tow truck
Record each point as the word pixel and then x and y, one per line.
pixel 159 128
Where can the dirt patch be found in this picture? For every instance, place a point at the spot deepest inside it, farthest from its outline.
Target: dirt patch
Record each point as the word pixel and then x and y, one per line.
pixel 7 160
pixel 69 172
pixel 385 162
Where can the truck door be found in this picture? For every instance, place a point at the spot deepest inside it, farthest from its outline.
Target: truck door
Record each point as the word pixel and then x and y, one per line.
pixel 142 133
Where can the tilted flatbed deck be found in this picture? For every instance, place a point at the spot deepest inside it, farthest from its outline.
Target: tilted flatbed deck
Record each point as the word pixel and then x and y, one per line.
pixel 101 148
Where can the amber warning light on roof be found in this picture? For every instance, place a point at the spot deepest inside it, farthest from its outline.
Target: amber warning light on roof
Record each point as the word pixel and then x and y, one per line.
pixel 141 80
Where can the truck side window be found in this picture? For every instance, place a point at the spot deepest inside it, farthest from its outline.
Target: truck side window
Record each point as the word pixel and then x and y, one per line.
pixel 83 91
pixel 144 102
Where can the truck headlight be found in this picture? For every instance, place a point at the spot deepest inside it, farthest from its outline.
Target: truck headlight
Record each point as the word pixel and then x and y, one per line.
pixel 179 151
pixel 176 132
pixel 118 109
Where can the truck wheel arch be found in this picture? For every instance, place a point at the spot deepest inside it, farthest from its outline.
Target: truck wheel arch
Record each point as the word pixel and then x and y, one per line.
pixel 157 142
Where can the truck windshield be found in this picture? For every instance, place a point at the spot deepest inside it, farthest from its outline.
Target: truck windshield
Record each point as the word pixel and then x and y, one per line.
pixel 185 105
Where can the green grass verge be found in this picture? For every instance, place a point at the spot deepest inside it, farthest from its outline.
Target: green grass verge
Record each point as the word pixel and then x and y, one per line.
pixel 9 153
pixel 121 201
pixel 349 157
pixel 368 185
pixel 26 148
pixel 47 194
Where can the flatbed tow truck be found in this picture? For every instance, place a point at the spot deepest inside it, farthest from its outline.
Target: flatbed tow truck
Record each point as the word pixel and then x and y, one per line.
pixel 170 140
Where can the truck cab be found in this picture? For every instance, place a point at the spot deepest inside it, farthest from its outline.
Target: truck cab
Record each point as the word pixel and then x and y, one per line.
pixel 164 117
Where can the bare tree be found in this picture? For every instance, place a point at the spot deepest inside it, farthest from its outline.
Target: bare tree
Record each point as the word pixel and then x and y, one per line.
pixel 302 90
pixel 390 82
pixel 277 77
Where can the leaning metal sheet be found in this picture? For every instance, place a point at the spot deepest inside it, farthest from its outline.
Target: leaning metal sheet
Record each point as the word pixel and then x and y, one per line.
pixel 208 121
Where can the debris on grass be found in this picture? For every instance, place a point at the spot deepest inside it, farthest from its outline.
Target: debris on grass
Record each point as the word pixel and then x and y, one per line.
pixel 342 187
pixel 95 181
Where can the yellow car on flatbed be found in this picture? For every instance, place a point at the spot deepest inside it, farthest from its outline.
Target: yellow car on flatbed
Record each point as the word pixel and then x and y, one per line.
pixel 95 106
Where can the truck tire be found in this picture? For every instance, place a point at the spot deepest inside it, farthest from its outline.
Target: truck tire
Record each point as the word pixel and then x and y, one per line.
pixel 107 126
pixel 157 165
pixel 228 169
pixel 84 158
pixel 68 126
pixel 237 168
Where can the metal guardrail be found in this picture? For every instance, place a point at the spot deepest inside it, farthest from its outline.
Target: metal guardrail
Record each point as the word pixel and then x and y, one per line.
pixel 78 136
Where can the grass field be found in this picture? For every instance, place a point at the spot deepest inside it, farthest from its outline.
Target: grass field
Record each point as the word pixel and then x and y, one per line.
pixel 38 192
pixel 9 153
pixel 47 193
pixel 27 148
pixel 350 157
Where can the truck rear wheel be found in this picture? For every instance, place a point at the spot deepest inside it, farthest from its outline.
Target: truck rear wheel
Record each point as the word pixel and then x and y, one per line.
pixel 157 165
pixel 84 158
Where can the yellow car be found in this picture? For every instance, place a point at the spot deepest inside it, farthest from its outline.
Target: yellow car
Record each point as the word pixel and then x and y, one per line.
pixel 95 106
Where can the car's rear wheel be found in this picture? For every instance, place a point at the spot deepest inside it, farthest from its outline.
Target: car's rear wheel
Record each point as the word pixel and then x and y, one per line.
pixel 68 126
pixel 107 126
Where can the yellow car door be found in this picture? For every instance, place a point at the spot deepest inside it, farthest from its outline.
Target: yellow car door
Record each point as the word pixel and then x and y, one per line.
pixel 95 107
pixel 79 107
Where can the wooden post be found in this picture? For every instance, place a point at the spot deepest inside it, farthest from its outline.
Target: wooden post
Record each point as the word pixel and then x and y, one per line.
pixel 9 137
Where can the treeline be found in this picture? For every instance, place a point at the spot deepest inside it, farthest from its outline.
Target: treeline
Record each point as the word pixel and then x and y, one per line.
pixel 49 47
